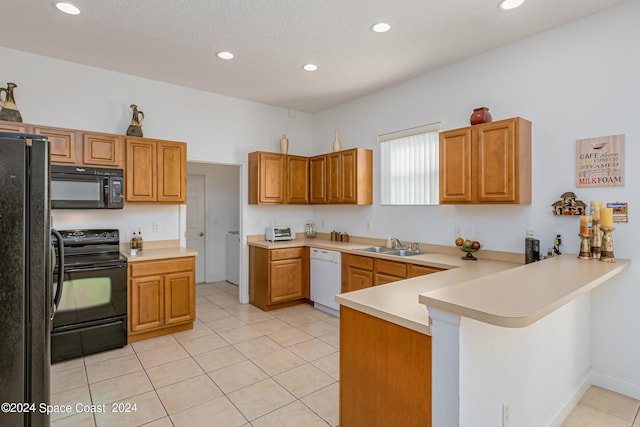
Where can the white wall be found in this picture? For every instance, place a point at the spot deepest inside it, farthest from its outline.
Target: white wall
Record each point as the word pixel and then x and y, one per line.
pixel 577 81
pixel 217 128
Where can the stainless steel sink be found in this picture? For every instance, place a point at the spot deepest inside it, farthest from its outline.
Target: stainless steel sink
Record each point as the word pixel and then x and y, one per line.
pixel 390 251
pixel 378 249
pixel 404 252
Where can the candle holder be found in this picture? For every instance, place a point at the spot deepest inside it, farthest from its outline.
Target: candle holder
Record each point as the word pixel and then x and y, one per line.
pixel 585 246
pixel 606 254
pixel 596 240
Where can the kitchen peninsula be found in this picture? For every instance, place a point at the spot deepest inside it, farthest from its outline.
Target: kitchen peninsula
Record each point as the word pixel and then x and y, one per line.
pixel 391 335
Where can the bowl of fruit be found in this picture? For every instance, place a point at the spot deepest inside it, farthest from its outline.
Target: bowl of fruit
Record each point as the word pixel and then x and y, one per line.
pixel 469 247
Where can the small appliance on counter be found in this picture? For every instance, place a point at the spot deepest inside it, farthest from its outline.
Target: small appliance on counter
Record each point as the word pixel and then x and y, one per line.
pixel 274 234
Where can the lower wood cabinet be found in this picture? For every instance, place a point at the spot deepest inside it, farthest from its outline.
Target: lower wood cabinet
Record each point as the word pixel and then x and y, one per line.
pixel 385 373
pixel 359 272
pixel 278 277
pixel 161 297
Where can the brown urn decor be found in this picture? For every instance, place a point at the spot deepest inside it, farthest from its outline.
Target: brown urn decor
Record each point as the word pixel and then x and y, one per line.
pixel 480 115
pixel 135 128
pixel 8 108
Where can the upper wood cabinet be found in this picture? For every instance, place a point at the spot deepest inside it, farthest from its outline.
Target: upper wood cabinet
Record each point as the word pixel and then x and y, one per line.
pixel 76 147
pixel 156 171
pixel 318 179
pixel 266 178
pixel 6 126
pixel 101 149
pixel 344 177
pixel 350 177
pixel 297 179
pixel 62 144
pixel 487 163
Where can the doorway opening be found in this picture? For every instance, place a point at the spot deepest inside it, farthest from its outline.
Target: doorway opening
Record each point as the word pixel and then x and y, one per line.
pixel 213 218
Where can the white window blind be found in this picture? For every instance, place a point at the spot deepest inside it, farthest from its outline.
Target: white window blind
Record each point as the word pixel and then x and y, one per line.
pixel 409 166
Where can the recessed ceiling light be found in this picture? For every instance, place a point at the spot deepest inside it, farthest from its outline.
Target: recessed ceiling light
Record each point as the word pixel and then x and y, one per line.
pixel 67 8
pixel 310 67
pixel 225 55
pixel 510 4
pixel 381 27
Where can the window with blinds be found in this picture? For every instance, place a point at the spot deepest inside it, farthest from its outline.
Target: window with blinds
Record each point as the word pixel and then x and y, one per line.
pixel 409 166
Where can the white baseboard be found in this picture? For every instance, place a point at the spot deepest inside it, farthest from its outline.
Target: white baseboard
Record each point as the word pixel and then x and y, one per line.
pixel 618 385
pixel 563 411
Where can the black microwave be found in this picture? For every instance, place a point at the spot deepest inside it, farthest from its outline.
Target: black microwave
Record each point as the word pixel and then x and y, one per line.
pixel 82 187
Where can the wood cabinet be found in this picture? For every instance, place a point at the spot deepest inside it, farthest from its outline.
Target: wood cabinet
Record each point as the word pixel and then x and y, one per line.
pixel 278 178
pixel 486 163
pixel 350 177
pixel 278 277
pixel 388 271
pixel 415 270
pixel 385 373
pixel 102 150
pixel 161 297
pixel 63 147
pixel 297 179
pixel 7 126
pixel 344 177
pixel 76 147
pixel 359 271
pixel 156 171
pixel 318 179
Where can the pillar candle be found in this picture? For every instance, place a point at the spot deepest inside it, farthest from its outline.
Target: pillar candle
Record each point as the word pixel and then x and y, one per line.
pixel 584 225
pixel 595 209
pixel 606 217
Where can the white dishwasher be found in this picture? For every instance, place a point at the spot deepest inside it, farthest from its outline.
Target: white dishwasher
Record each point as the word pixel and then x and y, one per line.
pixel 326 280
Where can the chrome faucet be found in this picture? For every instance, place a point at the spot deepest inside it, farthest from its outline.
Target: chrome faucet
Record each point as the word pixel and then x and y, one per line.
pixel 398 243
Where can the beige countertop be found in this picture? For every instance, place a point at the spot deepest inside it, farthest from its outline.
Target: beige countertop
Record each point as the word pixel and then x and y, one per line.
pixel 500 291
pixel 153 250
pixel 520 296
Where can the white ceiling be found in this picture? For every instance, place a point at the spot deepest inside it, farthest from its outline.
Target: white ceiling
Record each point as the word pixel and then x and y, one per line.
pixel 175 41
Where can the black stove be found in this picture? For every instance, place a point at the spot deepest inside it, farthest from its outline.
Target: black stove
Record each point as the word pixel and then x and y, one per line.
pixel 91 307
pixel 91 248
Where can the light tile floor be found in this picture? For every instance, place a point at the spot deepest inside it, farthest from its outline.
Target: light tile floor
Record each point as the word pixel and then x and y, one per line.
pixel 604 408
pixel 239 366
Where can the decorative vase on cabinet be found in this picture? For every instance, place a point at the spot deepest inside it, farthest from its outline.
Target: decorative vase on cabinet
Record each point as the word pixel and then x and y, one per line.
pixel 480 115
pixel 8 108
pixel 336 143
pixel 284 144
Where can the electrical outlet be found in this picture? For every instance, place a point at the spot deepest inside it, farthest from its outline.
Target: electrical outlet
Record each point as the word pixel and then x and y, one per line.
pixel 156 227
pixel 370 225
pixel 457 230
pixel 506 414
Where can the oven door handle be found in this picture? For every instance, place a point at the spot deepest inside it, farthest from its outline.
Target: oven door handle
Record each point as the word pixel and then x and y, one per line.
pixel 103 267
pixel 58 293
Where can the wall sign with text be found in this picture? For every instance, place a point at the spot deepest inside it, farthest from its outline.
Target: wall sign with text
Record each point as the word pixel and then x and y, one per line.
pixel 600 161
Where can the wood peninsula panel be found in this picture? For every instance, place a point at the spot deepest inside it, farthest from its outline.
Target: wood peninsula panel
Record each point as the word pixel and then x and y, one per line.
pixel 385 373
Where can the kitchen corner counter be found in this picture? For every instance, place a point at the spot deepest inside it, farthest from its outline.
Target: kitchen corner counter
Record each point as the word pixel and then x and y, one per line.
pixel 151 254
pixel 520 296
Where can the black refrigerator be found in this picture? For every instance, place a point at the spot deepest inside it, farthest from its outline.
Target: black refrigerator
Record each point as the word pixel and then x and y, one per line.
pixel 26 274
